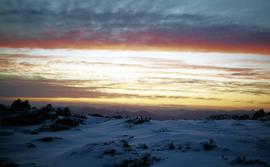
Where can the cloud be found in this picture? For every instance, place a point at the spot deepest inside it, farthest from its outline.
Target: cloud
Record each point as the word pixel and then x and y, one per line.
pixel 129 22
pixel 164 78
pixel 42 88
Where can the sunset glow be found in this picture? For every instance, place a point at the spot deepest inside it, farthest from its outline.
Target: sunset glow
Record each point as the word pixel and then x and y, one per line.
pixel 151 78
pixel 194 54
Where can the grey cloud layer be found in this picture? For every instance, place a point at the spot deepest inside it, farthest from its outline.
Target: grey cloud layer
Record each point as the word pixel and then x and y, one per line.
pixel 31 19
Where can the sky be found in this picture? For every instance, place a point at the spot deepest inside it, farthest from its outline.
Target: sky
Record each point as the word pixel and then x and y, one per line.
pixel 173 53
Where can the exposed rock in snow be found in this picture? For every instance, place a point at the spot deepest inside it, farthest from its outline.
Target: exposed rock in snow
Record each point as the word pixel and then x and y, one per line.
pixel 110 142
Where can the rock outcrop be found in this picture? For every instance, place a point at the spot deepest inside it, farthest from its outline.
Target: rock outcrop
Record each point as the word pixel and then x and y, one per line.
pixel 20 113
pixel 19 105
pixel 258 115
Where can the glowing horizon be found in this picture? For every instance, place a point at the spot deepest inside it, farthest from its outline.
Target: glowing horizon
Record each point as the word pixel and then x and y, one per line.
pixel 150 78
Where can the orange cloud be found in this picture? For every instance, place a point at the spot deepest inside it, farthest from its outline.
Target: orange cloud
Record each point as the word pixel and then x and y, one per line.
pixel 151 43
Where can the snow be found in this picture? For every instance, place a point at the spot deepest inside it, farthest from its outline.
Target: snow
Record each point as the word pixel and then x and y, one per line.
pixel 91 144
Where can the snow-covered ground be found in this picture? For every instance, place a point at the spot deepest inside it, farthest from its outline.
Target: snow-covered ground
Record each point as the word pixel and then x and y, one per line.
pixel 113 142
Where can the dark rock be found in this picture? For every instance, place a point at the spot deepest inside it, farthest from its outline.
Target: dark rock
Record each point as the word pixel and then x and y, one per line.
pixel 3 108
pixel 244 117
pixel 26 105
pixel 67 122
pixel 62 124
pixel 63 112
pixel 235 117
pixel 56 127
pixel 237 161
pixel 171 146
pixel 187 147
pixel 228 117
pixel 46 139
pixel 117 117
pixel 266 118
pixel 142 161
pixel 37 116
pixel 80 117
pixel 243 161
pixel 125 144
pixel 258 114
pixel 220 117
pixel 19 105
pixel 34 132
pixel 138 120
pixel 49 107
pixel 31 145
pixel 209 146
pixel 144 146
pixel 211 141
pixel 111 152
pixel 46 109
pixel 257 161
pixel 29 118
pixel 50 115
pixel 96 115
pixel 224 158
